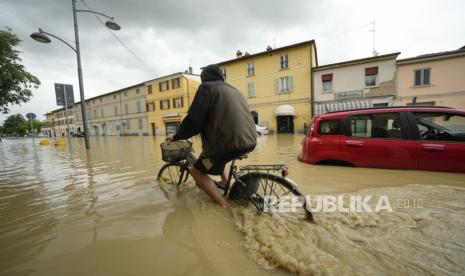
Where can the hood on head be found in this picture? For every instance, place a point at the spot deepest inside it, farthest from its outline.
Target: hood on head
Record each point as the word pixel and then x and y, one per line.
pixel 211 73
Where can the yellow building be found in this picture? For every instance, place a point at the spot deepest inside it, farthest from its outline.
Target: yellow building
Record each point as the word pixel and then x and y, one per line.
pixel 277 84
pixel 168 99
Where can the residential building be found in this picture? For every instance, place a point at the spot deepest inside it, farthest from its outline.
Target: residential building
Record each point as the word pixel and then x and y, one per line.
pixel 47 125
pixel 56 120
pixel 360 83
pixel 276 83
pixel 168 99
pixel 432 79
pixel 121 112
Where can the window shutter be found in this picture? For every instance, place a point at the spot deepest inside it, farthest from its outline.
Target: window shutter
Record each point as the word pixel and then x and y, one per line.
pixel 182 102
pixel 161 105
pixel 276 85
pixel 426 79
pixel 149 89
pixel 327 77
pixel 371 71
pixel 417 77
pixel 169 104
pixel 291 83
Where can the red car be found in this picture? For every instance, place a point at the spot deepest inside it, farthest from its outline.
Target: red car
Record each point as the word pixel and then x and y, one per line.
pixel 411 137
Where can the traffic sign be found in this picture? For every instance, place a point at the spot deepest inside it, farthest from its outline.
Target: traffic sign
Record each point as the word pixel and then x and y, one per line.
pixel 60 90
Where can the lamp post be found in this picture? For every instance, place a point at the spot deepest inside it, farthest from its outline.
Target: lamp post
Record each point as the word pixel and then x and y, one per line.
pixel 42 37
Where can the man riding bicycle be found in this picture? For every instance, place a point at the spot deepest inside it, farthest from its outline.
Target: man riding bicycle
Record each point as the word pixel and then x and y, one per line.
pixel 221 115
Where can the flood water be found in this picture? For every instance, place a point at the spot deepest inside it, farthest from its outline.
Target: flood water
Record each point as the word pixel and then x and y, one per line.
pixel 65 211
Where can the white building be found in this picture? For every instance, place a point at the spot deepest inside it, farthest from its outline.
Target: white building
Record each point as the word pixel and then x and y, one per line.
pixel 354 84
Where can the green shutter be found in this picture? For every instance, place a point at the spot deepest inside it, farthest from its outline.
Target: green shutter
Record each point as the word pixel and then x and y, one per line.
pixel 291 83
pixel 276 86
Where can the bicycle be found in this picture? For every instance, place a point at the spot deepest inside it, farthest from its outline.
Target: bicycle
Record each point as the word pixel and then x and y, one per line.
pixel 259 184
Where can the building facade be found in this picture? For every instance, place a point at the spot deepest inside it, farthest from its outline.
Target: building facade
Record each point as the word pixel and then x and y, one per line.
pixel 168 99
pixel 277 84
pixel 432 79
pixel 56 122
pixel 121 113
pixel 361 83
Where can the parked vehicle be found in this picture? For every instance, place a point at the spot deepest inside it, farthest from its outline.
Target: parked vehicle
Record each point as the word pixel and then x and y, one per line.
pixel 262 130
pixel 412 137
pixel 78 134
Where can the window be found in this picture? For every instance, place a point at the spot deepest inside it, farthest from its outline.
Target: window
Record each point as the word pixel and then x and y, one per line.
pixel 126 108
pixel 149 89
pixel 141 124
pixel 382 125
pixel 284 62
pixel 138 106
pixel 101 112
pixel 100 99
pixel 137 91
pixel 178 102
pixel 327 81
pixel 114 97
pixel 150 106
pixel 441 126
pixel 164 104
pixel 95 113
pixel 251 89
pixel 330 127
pixel 223 70
pixel 422 77
pixel 175 83
pixel 380 104
pixel 250 69
pixel 117 125
pixel 284 85
pixel 128 124
pixel 164 85
pixel 125 94
pixel 116 110
pixel 371 76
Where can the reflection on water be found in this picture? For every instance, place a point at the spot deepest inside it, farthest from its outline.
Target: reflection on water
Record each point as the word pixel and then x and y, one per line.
pixel 67 212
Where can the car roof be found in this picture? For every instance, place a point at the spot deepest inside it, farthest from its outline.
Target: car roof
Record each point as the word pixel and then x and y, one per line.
pixel 346 113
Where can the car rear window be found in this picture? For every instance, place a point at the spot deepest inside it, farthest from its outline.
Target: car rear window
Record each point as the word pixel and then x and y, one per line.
pixel 330 127
pixel 379 125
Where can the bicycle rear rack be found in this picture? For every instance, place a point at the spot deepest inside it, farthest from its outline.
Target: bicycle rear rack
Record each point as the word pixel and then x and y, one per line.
pixel 272 167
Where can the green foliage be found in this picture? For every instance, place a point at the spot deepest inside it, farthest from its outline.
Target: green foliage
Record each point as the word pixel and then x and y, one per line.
pixel 15 124
pixel 15 82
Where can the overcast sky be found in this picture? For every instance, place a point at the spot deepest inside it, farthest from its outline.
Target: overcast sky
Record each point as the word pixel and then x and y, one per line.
pixel 168 36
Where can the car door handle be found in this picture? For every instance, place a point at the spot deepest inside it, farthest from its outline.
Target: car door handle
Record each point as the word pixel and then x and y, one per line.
pixel 433 148
pixel 356 144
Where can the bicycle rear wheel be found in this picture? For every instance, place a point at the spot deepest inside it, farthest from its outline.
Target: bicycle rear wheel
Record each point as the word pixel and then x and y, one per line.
pixel 172 173
pixel 271 193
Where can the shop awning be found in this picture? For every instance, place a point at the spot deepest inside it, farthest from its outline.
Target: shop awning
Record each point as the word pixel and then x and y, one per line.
pixel 284 110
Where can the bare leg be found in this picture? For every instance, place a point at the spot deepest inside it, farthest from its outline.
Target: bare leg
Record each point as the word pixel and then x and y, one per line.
pixel 206 184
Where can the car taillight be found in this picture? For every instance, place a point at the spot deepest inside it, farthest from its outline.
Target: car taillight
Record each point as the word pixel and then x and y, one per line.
pixel 285 171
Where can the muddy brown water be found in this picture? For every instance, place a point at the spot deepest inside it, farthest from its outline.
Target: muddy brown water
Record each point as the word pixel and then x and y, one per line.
pixel 67 212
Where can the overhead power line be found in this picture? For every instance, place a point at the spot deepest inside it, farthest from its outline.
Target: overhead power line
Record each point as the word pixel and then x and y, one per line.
pixel 120 41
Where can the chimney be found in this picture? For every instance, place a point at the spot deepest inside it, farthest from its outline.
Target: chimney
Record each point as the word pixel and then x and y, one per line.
pixel 246 54
pixel 190 70
pixel 269 48
pixel 238 54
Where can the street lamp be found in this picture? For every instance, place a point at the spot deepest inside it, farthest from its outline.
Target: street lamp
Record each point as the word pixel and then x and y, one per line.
pixel 42 37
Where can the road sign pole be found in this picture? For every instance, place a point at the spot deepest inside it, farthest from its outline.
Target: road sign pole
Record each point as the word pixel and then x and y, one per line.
pixel 66 115
pixel 32 130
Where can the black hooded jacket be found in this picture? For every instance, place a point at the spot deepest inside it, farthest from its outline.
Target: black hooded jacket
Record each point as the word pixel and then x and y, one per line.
pixel 220 114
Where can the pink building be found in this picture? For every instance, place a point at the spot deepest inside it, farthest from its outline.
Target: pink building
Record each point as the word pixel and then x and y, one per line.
pixel 434 79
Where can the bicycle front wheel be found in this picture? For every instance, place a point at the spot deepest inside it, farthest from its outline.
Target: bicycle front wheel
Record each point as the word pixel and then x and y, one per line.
pixel 271 193
pixel 172 173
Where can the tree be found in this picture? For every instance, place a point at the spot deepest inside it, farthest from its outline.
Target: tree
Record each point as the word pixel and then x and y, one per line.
pixel 15 124
pixel 37 125
pixel 15 82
